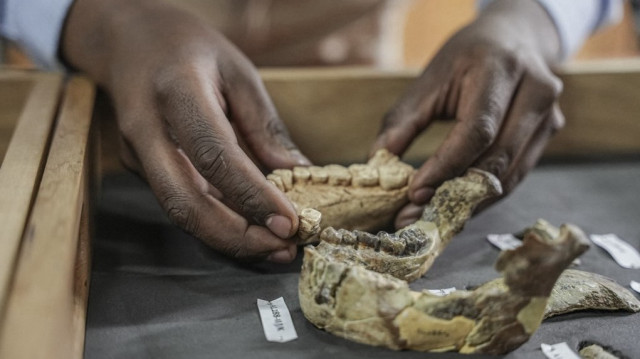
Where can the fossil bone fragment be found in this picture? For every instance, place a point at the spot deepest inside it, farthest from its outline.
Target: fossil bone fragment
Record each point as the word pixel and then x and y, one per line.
pixel 594 351
pixel 578 290
pixel 362 197
pixel 378 309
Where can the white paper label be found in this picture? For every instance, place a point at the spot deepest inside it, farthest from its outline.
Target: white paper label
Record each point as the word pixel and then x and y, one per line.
pixel 504 241
pixel 442 292
pixel 635 286
pixel 276 321
pixel 558 351
pixel 621 251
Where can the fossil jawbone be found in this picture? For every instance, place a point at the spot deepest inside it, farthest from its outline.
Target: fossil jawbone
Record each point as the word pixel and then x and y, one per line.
pixel 378 309
pixel 408 253
pixel 362 197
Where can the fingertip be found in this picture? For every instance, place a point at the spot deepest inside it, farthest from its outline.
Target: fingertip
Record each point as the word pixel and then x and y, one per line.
pixel 408 215
pixel 280 225
pixel 422 195
pixel 286 255
pixel 298 158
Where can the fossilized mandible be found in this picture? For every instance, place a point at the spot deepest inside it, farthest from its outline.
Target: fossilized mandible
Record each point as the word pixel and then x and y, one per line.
pixel 353 284
pixel 378 309
pixel 361 197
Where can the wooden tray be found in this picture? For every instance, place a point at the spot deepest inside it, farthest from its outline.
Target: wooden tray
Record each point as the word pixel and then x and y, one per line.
pixel 44 214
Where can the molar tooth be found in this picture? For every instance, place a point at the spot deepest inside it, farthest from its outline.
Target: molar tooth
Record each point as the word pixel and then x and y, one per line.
pixel 331 235
pixel 276 180
pixel 338 175
pixel 368 239
pixel 301 174
pixel 363 175
pixel 390 243
pixel 393 176
pixel 309 223
pixel 318 174
pixel 287 178
pixel 411 243
pixel 348 237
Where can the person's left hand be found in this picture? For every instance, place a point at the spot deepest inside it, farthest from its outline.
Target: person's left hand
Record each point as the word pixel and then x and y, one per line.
pixel 494 78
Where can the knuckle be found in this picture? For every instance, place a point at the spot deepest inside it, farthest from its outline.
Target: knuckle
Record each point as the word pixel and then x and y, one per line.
pixel 484 131
pixel 181 213
pixel 248 199
pixel 547 88
pixel 209 159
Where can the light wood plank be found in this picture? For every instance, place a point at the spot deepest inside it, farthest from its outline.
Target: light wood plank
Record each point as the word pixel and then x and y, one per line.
pixel 21 170
pixel 39 320
pixel 334 114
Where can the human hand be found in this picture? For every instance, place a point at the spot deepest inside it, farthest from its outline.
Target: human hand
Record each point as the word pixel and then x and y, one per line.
pixel 179 91
pixel 493 77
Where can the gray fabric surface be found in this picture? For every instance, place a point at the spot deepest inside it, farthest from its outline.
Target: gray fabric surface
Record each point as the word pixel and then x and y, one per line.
pixel 158 293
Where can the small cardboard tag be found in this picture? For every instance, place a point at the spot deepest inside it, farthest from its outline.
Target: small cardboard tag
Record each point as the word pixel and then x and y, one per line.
pixel 622 252
pixel 558 351
pixel 635 286
pixel 276 321
pixel 504 241
pixel 442 292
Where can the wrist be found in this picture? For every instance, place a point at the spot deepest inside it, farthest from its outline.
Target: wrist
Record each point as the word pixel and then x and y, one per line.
pixel 526 23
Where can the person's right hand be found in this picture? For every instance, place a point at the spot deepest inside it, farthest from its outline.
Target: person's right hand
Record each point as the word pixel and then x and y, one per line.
pixel 179 89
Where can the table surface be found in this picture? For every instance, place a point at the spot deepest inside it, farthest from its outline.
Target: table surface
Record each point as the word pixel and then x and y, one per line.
pixel 158 293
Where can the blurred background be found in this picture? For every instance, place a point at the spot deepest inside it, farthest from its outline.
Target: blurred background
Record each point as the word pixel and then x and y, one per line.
pixel 381 33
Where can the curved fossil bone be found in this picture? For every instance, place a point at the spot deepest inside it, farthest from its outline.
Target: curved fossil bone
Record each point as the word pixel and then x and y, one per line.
pixel 408 253
pixel 378 309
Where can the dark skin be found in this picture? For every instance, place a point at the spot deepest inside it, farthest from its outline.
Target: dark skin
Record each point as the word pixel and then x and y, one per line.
pixel 493 79
pixel 184 97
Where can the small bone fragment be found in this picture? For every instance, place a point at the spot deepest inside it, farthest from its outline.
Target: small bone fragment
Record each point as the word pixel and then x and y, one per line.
pixel 594 351
pixel 276 180
pixel 318 174
pixel 301 174
pixel 338 175
pixel 363 175
pixel 309 223
pixel 579 290
pixel 287 178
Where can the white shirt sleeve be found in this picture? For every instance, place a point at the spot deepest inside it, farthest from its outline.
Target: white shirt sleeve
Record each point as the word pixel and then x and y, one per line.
pixel 576 20
pixel 35 25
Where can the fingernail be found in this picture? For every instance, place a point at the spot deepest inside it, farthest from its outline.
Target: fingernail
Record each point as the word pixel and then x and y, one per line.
pixel 299 158
pixel 280 256
pixel 422 195
pixel 279 225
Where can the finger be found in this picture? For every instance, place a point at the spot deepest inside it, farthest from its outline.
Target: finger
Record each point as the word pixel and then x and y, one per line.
pixel 531 106
pixel 534 150
pixel 484 98
pixel 192 108
pixel 184 195
pixel 409 116
pixel 409 214
pixel 258 123
pixel 529 156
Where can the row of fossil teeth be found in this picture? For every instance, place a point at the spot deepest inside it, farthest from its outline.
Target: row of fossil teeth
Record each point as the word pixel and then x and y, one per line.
pixel 405 242
pixel 389 177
